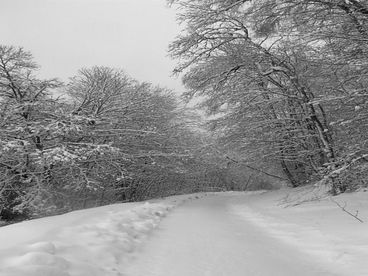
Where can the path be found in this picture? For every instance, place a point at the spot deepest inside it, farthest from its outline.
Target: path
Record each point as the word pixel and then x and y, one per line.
pixel 205 238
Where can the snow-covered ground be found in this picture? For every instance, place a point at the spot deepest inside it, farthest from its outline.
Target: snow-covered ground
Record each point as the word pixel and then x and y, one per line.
pixel 229 234
pixel 92 242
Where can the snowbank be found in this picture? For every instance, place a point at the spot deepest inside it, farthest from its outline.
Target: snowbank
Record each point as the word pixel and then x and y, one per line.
pixel 311 221
pixel 89 242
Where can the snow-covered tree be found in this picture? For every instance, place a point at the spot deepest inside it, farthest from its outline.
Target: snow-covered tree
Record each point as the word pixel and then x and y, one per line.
pixel 288 78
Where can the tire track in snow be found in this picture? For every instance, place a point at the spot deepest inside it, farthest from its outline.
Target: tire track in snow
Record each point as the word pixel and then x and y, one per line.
pixel 205 237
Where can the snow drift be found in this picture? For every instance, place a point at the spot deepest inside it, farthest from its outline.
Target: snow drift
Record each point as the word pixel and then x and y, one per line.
pixel 88 242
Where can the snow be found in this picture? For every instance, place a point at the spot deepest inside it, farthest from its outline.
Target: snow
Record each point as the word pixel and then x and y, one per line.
pixel 233 233
pixel 209 237
pixel 318 228
pixel 87 242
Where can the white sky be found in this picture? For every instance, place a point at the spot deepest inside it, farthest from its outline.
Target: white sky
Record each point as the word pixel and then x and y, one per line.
pixel 66 35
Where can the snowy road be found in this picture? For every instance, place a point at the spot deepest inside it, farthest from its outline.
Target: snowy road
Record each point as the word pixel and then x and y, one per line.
pixel 205 237
pixel 213 234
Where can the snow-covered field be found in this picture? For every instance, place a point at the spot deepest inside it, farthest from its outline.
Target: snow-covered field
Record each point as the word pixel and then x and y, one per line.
pixel 233 233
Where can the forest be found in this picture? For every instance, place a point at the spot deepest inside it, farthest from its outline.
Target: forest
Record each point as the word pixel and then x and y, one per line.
pixel 287 81
pixel 283 85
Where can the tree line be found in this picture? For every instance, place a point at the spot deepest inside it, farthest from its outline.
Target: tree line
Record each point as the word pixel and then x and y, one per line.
pixel 109 138
pixel 286 82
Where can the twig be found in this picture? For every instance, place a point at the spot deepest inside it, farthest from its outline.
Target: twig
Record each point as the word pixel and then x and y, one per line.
pixel 255 169
pixel 302 195
pixel 346 211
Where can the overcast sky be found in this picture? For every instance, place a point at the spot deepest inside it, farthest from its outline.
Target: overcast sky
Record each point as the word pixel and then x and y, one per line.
pixel 65 35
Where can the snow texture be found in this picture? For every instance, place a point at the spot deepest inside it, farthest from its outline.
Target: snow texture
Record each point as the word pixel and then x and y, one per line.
pixel 279 233
pixel 89 242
